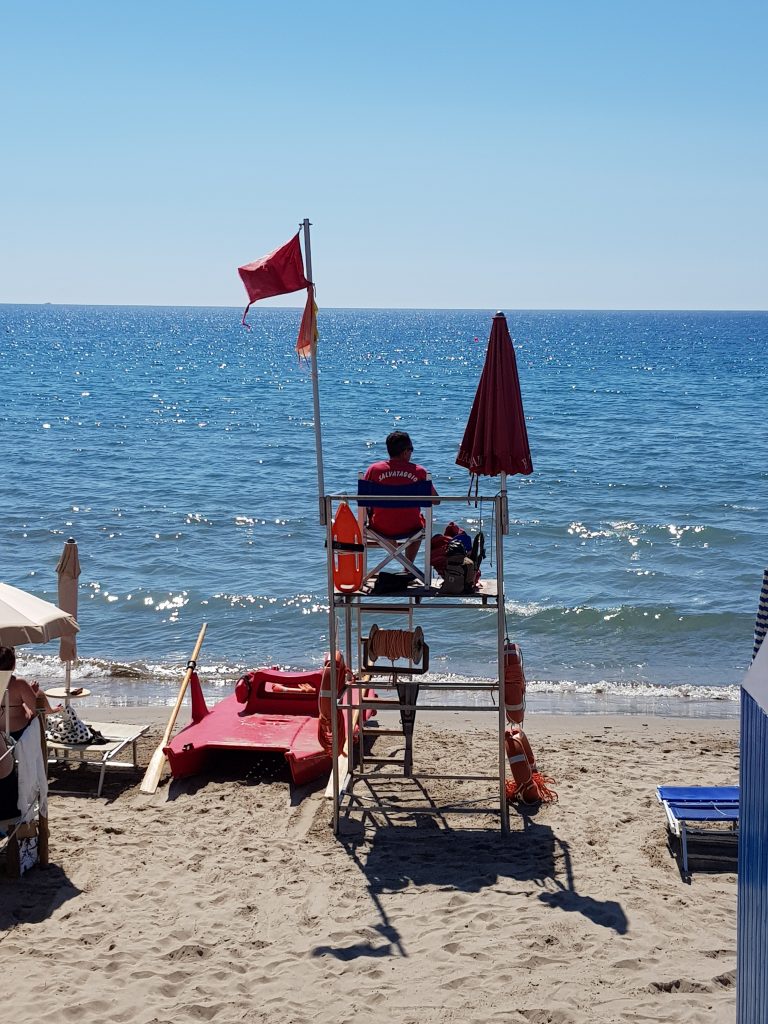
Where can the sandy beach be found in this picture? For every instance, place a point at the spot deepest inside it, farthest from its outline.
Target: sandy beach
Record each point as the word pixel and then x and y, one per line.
pixel 227 898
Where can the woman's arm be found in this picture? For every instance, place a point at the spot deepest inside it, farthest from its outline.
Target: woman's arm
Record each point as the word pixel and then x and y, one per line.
pixel 29 694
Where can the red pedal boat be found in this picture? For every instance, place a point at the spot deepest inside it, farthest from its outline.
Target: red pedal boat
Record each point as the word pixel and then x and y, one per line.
pixel 271 710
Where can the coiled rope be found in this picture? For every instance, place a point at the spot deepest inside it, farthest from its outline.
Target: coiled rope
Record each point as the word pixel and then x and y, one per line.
pixel 396 643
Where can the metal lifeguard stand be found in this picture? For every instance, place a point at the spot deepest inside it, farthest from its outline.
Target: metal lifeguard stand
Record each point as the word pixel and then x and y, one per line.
pixel 347 623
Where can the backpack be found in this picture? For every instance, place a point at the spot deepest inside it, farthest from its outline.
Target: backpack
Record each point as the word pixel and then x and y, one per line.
pixel 455 532
pixel 460 574
pixel 457 559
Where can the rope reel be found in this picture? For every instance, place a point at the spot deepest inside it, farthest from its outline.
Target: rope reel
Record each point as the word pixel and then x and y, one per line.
pixel 396 643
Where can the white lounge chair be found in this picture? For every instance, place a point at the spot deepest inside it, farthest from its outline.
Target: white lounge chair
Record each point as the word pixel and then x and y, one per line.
pixel 100 755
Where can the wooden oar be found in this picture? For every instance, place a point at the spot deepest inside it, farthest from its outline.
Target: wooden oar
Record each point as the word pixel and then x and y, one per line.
pixel 155 769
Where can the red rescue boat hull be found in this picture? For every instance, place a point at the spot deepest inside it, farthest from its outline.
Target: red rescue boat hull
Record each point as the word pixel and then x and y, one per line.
pixel 277 717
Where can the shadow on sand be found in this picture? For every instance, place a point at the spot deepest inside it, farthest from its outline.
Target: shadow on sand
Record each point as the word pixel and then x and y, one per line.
pixel 34 897
pixel 410 848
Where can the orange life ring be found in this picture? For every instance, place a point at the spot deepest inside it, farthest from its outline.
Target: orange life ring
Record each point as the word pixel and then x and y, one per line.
pixel 524 787
pixel 528 750
pixel 527 783
pixel 348 550
pixel 514 684
pixel 324 722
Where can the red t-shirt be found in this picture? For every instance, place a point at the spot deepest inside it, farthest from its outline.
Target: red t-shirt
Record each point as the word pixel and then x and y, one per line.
pixel 396 522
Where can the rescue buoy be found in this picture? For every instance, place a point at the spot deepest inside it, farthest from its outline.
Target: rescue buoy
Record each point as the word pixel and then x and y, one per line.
pixel 514 684
pixel 524 787
pixel 348 550
pixel 527 783
pixel 324 722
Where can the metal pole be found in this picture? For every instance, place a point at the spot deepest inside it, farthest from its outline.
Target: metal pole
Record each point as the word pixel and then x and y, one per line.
pixel 315 388
pixel 504 504
pixel 503 809
pixel 327 509
pixel 348 694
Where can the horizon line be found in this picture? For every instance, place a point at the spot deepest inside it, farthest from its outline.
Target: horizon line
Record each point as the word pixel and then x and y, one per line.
pixel 395 309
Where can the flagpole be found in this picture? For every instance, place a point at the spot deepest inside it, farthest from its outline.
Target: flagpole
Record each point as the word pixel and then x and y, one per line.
pixel 315 387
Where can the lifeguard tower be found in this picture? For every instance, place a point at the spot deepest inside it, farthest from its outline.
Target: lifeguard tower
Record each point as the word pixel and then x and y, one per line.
pixel 399 681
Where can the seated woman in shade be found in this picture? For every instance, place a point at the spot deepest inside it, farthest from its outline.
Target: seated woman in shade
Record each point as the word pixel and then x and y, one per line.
pixel 22 697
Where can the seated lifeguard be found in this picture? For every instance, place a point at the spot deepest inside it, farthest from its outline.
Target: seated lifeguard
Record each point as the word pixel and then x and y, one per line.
pixel 403 518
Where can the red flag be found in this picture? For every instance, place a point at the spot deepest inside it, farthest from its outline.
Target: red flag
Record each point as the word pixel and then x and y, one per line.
pixel 278 273
pixel 308 329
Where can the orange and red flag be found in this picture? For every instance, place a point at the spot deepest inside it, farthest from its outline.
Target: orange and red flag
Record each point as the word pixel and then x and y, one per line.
pixel 279 273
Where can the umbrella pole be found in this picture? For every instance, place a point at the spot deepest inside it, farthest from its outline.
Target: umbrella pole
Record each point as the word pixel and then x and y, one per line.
pixel 67 682
pixel 504 505
pixel 315 388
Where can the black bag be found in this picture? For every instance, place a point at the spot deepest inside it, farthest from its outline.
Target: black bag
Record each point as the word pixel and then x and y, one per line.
pixel 459 574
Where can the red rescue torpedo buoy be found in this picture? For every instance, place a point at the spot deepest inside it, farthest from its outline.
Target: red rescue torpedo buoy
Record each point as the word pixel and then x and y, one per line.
pixel 348 551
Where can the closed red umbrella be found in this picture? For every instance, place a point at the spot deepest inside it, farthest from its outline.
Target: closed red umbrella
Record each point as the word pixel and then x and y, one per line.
pixel 495 440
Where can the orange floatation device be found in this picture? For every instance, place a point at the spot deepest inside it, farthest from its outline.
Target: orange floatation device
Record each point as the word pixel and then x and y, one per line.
pixel 514 683
pixel 528 784
pixel 348 550
pixel 324 722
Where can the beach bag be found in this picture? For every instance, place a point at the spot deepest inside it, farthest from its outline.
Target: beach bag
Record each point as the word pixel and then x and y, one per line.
pixel 66 727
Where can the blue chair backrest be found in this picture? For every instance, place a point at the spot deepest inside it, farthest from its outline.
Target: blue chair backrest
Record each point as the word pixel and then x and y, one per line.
pixel 367 491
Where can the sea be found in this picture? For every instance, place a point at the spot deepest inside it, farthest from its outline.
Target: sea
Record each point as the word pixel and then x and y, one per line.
pixel 178 449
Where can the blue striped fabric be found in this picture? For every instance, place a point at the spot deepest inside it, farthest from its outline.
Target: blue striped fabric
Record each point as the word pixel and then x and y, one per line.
pixel 761 622
pixel 752 941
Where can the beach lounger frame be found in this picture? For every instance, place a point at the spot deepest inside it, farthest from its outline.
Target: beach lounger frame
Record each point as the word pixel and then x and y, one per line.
pixel 102 755
pixel 690 809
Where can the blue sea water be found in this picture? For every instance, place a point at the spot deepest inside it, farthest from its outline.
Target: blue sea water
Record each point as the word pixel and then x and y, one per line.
pixel 178 449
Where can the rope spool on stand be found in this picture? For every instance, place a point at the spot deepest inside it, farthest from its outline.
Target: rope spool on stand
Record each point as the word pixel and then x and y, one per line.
pixel 394 645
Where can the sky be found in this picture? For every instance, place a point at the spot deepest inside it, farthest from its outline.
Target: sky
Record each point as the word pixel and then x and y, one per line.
pixel 519 155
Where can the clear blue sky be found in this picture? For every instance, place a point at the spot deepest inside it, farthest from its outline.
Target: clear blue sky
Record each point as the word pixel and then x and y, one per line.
pixel 558 154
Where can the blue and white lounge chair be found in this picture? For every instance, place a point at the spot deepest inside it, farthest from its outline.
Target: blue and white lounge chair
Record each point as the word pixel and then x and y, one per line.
pixel 690 808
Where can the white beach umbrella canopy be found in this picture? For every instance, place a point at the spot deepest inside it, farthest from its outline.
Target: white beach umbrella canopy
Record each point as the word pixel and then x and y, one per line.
pixel 26 619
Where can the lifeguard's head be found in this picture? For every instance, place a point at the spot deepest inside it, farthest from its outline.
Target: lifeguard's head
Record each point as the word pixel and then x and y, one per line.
pixel 398 444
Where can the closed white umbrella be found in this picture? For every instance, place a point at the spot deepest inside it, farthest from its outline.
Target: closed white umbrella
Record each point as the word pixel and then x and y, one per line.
pixel 68 570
